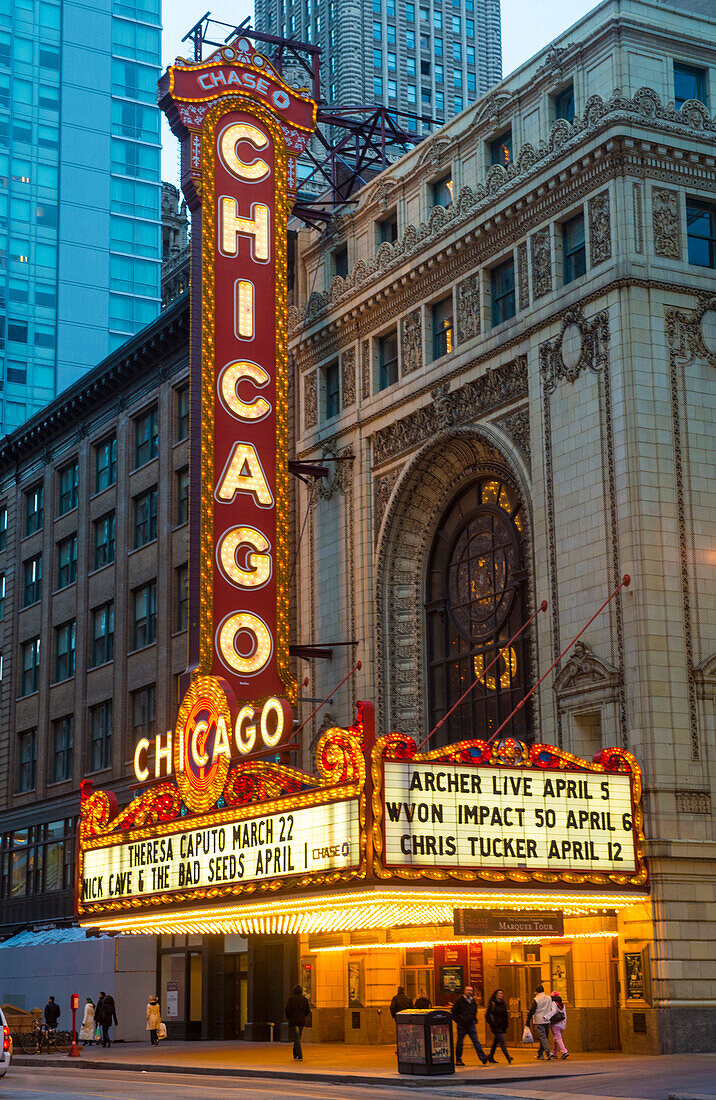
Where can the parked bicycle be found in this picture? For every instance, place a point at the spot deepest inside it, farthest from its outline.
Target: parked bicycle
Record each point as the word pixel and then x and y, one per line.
pixel 44 1038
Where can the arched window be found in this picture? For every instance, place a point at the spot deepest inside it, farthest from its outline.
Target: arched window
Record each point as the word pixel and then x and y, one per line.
pixel 475 601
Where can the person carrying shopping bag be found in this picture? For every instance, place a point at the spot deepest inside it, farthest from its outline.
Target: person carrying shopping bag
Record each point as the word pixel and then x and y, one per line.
pixel 154 1020
pixel 558 1023
pixel 542 1011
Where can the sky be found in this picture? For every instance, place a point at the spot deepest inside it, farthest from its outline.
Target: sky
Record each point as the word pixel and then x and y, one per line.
pixel 522 36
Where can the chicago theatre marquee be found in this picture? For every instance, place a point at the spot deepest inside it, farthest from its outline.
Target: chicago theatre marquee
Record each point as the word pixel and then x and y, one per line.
pixel 493 864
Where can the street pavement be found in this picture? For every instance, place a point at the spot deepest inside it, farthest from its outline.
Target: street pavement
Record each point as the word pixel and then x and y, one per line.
pixel 260 1069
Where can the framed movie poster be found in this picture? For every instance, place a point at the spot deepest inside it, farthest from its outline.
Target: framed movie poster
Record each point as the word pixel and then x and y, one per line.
pixel 634 976
pixel 558 974
pixel 354 982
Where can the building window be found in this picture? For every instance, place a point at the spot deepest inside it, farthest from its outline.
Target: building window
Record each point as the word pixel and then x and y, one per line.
pixel 378 87
pixel 144 713
pixel 689 83
pixel 68 486
pixel 63 735
pixel 104 539
pixel 392 62
pixel 392 89
pixel 332 381
pixel 574 251
pixel 103 634
pixel 146 437
pixel 182 594
pixel 442 315
pixel 3 529
pixel 183 412
pixel 3 587
pixel 67 561
pixel 145 517
pixel 501 149
pixel 441 191
pixel 502 285
pixel 377 30
pixel 475 599
pixel 182 484
pixel 144 615
pixel 26 760
pixel 100 739
pixel 390 34
pixel 105 464
pixel 65 650
pixel 564 104
pixel 32 573
pixel 340 261
pixel 34 509
pixel 387 360
pixel 701 233
pixel 388 229
pixel 377 57
pixel 30 670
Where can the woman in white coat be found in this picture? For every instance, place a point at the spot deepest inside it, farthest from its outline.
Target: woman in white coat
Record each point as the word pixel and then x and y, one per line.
pixel 154 1019
pixel 87 1029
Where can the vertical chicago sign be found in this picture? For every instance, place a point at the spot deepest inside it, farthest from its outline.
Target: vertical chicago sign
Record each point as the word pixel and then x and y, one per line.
pixel 241 129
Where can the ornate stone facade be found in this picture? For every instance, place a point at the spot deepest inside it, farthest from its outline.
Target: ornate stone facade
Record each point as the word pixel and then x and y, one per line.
pixel 310 401
pixel 411 342
pixel 468 308
pixel 666 222
pixel 348 371
pixel 541 263
pixel 600 228
pixel 499 387
pixel 599 420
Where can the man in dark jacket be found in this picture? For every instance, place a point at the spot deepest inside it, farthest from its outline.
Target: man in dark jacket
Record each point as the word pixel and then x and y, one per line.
pixel 297 1012
pixel 52 1013
pixel 464 1013
pixel 400 1001
pixel 106 1015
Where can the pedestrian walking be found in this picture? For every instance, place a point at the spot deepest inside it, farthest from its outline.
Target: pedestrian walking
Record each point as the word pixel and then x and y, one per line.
pixel 558 1023
pixel 400 1002
pixel 154 1019
pixel 497 1018
pixel 106 1015
pixel 298 1011
pixel 88 1025
pixel 542 1011
pixel 52 1013
pixel 464 1013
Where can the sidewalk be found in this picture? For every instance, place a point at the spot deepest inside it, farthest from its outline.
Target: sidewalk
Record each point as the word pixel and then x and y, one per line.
pixel 609 1074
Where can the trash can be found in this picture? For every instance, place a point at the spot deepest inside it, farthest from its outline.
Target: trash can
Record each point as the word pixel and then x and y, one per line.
pixel 424 1041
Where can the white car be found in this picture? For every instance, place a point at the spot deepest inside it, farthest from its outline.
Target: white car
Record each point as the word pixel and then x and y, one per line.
pixel 5 1045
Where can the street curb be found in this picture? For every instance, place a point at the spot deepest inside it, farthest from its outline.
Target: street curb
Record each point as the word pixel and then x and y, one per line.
pixel 692 1096
pixel 402 1081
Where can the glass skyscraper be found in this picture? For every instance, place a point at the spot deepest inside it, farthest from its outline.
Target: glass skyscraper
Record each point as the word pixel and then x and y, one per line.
pixel 80 189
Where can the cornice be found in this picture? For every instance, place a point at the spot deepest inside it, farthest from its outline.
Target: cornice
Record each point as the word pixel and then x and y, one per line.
pixel 644 110
pixel 511 346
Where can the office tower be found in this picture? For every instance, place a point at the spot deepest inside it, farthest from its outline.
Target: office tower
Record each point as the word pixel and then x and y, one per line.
pixel 430 57
pixel 80 189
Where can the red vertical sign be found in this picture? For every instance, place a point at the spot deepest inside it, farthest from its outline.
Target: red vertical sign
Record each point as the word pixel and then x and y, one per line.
pixel 241 129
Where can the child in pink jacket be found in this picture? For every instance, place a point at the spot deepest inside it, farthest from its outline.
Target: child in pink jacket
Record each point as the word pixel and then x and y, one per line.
pixel 558 1026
